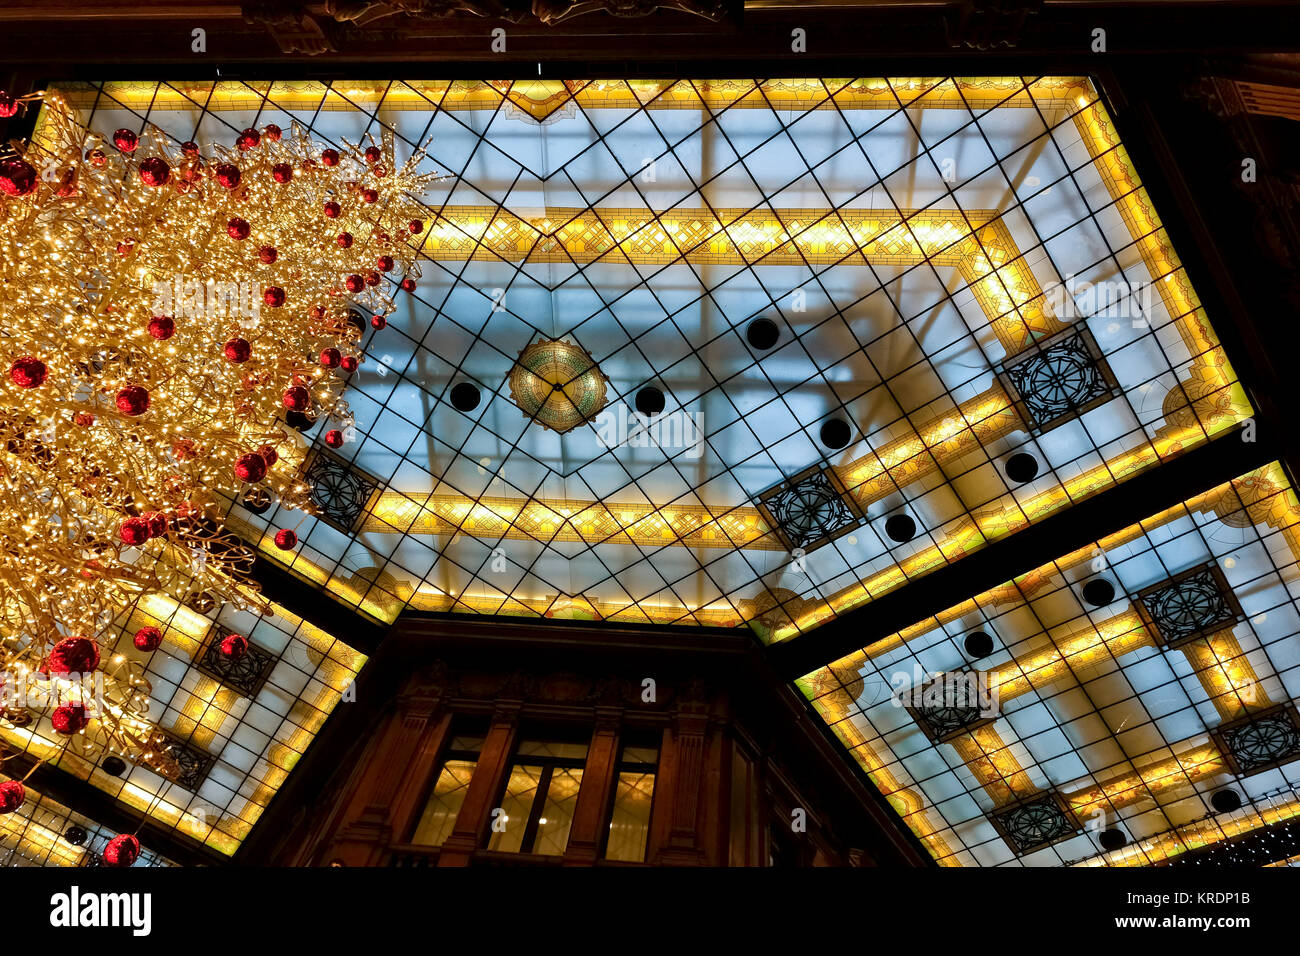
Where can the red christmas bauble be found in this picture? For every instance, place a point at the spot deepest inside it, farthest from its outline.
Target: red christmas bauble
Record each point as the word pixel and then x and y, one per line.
pixel 296 398
pixel 28 372
pixel 154 171
pixel 234 646
pixel 147 638
pixel 17 177
pixel 134 531
pixel 282 172
pixel 385 263
pixel 334 438
pixel 125 140
pixel 269 455
pixel 122 851
pixel 248 139
pixel 162 326
pixel 157 523
pixel 96 157
pixel 73 655
pixel 373 278
pixel 250 468
pixel 332 209
pixel 349 363
pixel 378 322
pixel 228 175
pixel 373 155
pixel 316 312
pixel 133 400
pixel 286 539
pixel 345 240
pixel 355 283
pixel 370 195
pixel 8 106
pixel 330 157
pixel 12 795
pixel 273 296
pixel 379 172
pixel 272 132
pixel 69 718
pixel 330 357
pixel 84 419
pixel 408 285
pixel 238 229
pixel 415 226
pixel 268 254
pixel 190 148
pixel 237 351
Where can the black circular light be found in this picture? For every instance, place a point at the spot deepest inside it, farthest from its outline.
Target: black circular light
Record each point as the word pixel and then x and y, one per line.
pixel 465 396
pixel 1225 801
pixel 298 420
pixel 978 644
pixel 75 835
pixel 836 433
pixel 650 401
pixel 113 765
pixel 1112 839
pixel 1099 592
pixel 901 528
pixel 762 334
pixel 1022 467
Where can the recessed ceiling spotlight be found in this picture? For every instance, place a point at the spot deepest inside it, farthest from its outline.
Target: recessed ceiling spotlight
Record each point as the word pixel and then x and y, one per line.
pixel 836 433
pixel 978 644
pixel 650 401
pixel 762 334
pixel 1225 801
pixel 1099 592
pixel 465 396
pixel 1022 467
pixel 114 766
pixel 901 528
pixel 1112 839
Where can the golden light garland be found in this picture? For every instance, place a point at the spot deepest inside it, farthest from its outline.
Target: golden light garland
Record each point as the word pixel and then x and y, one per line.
pixel 167 312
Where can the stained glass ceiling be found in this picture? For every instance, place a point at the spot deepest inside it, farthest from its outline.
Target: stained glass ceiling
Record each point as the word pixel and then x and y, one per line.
pixel 956 272
pixel 1132 686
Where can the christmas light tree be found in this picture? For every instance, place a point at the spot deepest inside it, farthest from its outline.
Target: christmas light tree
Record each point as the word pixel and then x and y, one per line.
pixel 168 313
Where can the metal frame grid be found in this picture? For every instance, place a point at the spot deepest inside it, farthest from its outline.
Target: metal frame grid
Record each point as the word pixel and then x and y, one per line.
pixel 760 420
pixel 1093 706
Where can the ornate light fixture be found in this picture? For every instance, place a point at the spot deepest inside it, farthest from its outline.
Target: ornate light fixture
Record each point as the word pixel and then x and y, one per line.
pixel 557 384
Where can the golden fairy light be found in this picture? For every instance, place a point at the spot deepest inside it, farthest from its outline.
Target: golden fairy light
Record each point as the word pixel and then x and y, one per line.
pixel 169 313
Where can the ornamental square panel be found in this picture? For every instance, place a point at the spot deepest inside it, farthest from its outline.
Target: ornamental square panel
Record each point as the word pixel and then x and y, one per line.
pixel 810 510
pixel 245 674
pixel 1032 824
pixel 1062 377
pixel 1196 603
pixel 1260 741
pixel 340 491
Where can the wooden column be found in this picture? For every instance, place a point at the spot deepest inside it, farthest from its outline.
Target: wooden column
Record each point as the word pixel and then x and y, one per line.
pixel 484 787
pixel 597 791
pixel 690 724
pixel 408 744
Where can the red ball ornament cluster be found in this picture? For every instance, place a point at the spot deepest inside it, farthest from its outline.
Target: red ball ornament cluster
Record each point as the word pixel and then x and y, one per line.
pixel 154 171
pixel 228 175
pixel 237 351
pixel 238 229
pixel 248 139
pixel 17 177
pixel 28 372
pixel 273 296
pixel 12 795
pixel 354 283
pixel 162 326
pixel 73 655
pixel 234 646
pixel 332 210
pixel 125 140
pixel 69 719
pixel 147 639
pixel 345 240
pixel 334 438
pixel 268 254
pixel 272 132
pixel 133 400
pixel 122 851
pixel 373 155
pixel 330 157
pixel 286 539
pixel 330 357
pixel 296 398
pixel 250 468
pixel 282 172
pixel 378 322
